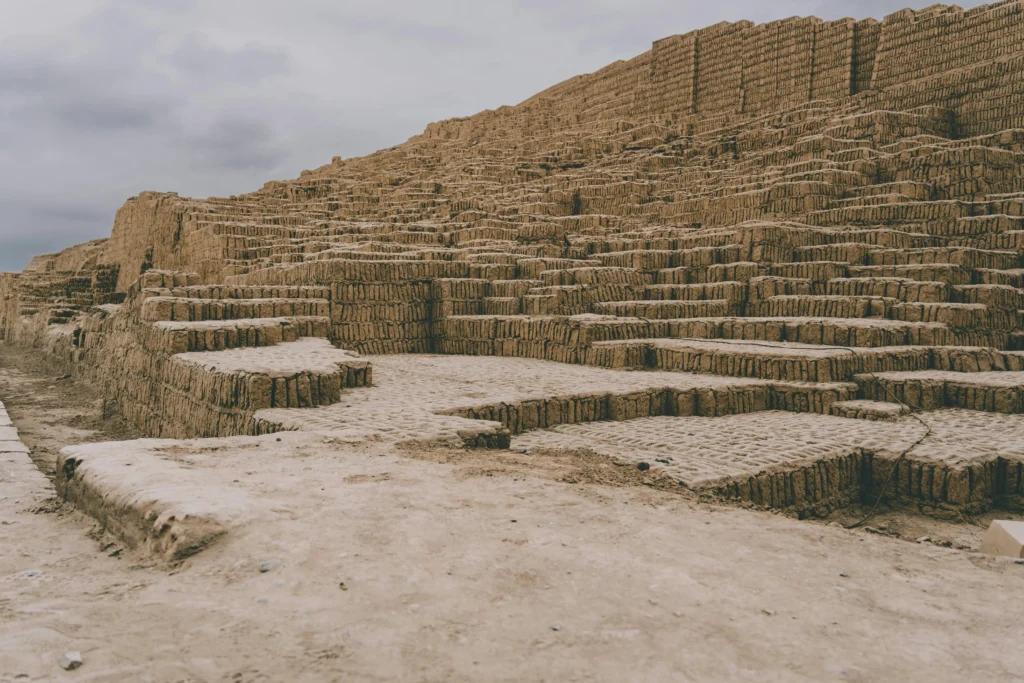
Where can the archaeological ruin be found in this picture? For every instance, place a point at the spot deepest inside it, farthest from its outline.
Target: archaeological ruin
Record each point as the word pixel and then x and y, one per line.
pixel 778 264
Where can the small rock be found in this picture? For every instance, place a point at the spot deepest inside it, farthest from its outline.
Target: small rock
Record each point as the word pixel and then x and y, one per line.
pixel 556 628
pixel 924 539
pixel 1019 562
pixel 769 612
pixel 844 575
pixel 524 451
pixel 71 661
pixel 269 566
pixel 342 586
pixel 643 467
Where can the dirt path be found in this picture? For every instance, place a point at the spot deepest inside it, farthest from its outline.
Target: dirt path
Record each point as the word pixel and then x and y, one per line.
pixel 439 565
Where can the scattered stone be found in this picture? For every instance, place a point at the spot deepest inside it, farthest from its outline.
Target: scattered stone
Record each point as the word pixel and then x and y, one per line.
pixel 269 566
pixel 844 575
pixel 1004 538
pixel 924 539
pixel 71 660
pixel 643 467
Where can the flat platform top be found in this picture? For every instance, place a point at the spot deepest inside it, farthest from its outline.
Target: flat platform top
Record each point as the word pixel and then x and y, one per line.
pixel 313 355
pixel 1000 380
pixel 702 451
pixel 409 391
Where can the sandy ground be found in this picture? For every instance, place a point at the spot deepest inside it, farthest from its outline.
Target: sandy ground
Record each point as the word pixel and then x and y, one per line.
pixel 445 565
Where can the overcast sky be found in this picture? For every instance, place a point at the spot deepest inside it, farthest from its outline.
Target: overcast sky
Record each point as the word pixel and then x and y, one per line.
pixel 100 100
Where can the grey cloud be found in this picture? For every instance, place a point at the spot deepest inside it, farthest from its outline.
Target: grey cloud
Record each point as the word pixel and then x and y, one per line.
pixel 97 113
pixel 27 72
pixel 403 29
pixel 236 143
pixel 196 57
pixel 39 225
pixel 81 95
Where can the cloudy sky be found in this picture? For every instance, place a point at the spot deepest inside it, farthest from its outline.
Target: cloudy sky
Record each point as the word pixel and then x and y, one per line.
pixel 102 99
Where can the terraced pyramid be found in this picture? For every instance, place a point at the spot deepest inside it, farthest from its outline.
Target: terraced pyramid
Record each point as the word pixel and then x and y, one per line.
pixel 824 218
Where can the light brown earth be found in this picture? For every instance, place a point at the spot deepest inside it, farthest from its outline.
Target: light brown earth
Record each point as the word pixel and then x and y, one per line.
pixel 444 564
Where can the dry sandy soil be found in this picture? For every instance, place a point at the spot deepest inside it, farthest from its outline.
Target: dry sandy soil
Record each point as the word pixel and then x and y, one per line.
pixel 448 565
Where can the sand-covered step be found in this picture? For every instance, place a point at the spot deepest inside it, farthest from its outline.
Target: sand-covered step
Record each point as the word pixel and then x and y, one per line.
pixel 1011 278
pixel 842 332
pixel 452 398
pixel 973 316
pixel 951 274
pixel 502 306
pixel 504 289
pixel 963 461
pixel 217 335
pixel 740 271
pixel 144 494
pixel 834 306
pixel 869 410
pixel 531 268
pixel 976 359
pixel 156 309
pixel 608 275
pixel 552 328
pixel 664 310
pixel 818 271
pixel 855 332
pixel 682 396
pixel 766 286
pixel 853 253
pixel 734 292
pixel 659 259
pixel 216 393
pixel 993 296
pixel 576 295
pixel 993 392
pixel 902 289
pixel 234 292
pixel 964 257
pixel 782 361
pixel 20 479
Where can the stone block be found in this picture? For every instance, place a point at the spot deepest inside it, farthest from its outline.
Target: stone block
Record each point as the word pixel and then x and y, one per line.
pixel 1004 538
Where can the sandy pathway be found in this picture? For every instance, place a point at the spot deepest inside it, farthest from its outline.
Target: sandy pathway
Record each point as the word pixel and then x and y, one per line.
pixel 613 581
